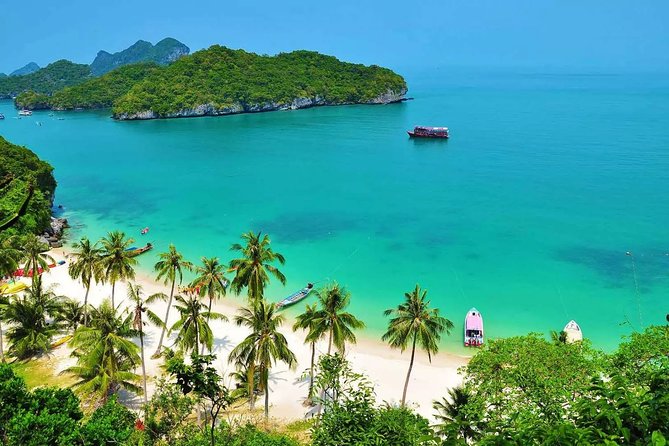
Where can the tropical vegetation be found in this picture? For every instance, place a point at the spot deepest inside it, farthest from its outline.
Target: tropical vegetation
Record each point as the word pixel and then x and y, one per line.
pixel 254 268
pixel 47 80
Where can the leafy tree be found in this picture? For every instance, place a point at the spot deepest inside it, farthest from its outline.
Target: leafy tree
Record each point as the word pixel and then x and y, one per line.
pixel 170 268
pixel 413 321
pixel 210 281
pixel 51 417
pixel 642 354
pixel 454 422
pixel 14 396
pixel 263 347
pixel 54 76
pixel 254 267
pixel 110 424
pixel 116 262
pixel 105 354
pixel 4 302
pixel 332 317
pixel 308 320
pixel 30 332
pixel 200 377
pixel 167 412
pixel 85 266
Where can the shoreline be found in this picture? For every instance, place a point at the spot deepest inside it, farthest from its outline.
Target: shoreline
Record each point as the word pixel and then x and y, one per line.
pixel 287 387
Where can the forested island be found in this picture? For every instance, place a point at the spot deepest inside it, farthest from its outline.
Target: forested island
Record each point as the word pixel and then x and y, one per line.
pixel 47 80
pixel 221 81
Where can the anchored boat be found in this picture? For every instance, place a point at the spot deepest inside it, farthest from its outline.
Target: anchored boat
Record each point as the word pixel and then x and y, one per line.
pixel 296 297
pixel 573 332
pixel 429 132
pixel 25 113
pixel 473 328
pixel 137 251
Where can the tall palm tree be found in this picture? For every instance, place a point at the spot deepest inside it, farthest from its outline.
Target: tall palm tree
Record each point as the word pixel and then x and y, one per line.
pixel 193 325
pixel 263 347
pixel 413 321
pixel 4 302
pixel 116 262
pixel 85 266
pixel 253 268
pixel 35 255
pixel 331 317
pixel 309 321
pixel 135 296
pixel 210 281
pixel 71 314
pixel 30 332
pixel 105 353
pixel 170 268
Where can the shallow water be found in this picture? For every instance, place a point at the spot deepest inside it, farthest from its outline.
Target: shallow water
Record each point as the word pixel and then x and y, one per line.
pixel 525 213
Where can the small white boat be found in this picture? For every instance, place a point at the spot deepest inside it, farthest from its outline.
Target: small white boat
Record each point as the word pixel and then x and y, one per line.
pixel 473 328
pixel 573 332
pixel 25 113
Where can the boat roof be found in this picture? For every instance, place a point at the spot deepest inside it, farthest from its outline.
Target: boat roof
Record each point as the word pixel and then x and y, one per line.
pixel 423 127
pixel 473 320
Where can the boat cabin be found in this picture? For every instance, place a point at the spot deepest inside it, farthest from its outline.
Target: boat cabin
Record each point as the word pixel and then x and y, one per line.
pixel 429 132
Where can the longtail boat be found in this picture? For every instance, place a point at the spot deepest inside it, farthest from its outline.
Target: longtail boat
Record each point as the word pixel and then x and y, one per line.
pixel 429 132
pixel 573 332
pixel 296 297
pixel 473 328
pixel 133 252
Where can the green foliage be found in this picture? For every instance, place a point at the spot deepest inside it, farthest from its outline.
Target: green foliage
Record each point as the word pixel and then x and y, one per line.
pixel 110 424
pixel 141 51
pixel 333 318
pixel 222 77
pixel 254 267
pixel 99 92
pixel 14 396
pixel 53 77
pixel 24 177
pixel 166 413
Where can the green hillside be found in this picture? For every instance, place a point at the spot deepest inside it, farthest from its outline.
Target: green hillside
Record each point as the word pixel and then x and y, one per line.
pixel 53 77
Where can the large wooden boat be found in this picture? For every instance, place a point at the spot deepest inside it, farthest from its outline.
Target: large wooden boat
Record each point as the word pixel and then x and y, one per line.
pixel 473 328
pixel 296 297
pixel 429 132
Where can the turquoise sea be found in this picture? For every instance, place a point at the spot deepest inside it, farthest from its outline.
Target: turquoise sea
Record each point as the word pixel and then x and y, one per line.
pixel 526 212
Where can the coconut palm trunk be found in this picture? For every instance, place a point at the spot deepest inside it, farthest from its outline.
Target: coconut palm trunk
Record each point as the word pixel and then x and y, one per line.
pixel 211 299
pixel 141 347
pixel 311 371
pixel 88 288
pixel 251 372
pixel 167 315
pixel 330 341
pixel 112 296
pixel 406 383
pixel 266 379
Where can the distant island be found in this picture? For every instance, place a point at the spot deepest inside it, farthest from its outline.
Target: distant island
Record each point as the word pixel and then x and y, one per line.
pixel 38 81
pixel 222 81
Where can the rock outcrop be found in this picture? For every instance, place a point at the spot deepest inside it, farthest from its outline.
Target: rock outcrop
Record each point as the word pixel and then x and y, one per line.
pixel 298 103
pixel 26 69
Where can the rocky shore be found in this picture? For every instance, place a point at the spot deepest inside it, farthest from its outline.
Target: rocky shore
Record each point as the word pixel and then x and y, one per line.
pixel 388 97
pixel 54 234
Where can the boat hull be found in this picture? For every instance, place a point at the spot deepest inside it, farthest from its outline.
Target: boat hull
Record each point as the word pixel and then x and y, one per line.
pixel 473 333
pixel 415 135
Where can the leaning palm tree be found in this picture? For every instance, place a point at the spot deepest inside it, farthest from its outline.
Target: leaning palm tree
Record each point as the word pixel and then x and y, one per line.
pixel 116 262
pixel 85 266
pixel 135 296
pixel 210 281
pixel 193 326
pixel 309 321
pixel 31 332
pixel 414 322
pixel 170 268
pixel 105 353
pixel 34 253
pixel 262 348
pixel 253 268
pixel 331 317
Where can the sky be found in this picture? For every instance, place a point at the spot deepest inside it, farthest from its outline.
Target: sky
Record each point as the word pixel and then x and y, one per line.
pixel 583 35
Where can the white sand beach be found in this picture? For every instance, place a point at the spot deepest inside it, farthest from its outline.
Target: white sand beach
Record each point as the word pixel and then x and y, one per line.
pixel 386 368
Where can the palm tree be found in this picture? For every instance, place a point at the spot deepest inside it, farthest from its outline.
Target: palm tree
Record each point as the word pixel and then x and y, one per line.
pixel 210 281
pixel 263 347
pixel 309 321
pixel 35 254
pixel 135 296
pixel 451 413
pixel 413 321
pixel 71 314
pixel 30 332
pixel 169 268
pixel 4 302
pixel 10 255
pixel 251 270
pixel 193 326
pixel 116 262
pixel 332 318
pixel 105 354
pixel 85 266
